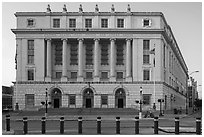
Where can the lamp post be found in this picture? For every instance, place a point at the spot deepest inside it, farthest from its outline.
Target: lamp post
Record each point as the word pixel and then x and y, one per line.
pixel 140 113
pixel 46 103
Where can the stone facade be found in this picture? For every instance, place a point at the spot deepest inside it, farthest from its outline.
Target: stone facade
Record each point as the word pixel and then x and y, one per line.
pixel 46 40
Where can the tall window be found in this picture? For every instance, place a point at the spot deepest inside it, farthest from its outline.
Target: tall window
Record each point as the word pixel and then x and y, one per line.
pixel 104 99
pixel 119 54
pixel 73 55
pixel 104 54
pixel 104 23
pixel 72 99
pixel 146 51
pixel 89 54
pixel 88 23
pixel 120 23
pixel 56 23
pixel 30 51
pixel 164 58
pixel 58 54
pixel 146 99
pixel 72 23
pixel 29 100
pixel 30 74
pixel 146 75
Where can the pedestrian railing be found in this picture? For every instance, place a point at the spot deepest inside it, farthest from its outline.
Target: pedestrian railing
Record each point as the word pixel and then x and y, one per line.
pixel 99 129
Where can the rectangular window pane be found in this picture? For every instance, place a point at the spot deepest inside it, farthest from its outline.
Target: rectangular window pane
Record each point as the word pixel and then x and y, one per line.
pixel 120 23
pixel 72 23
pixel 72 99
pixel 104 23
pixel 73 55
pixel 145 59
pixel 104 75
pixel 29 100
pixel 146 22
pixel 119 75
pixel 146 99
pixel 104 54
pixel 146 44
pixel 119 54
pixel 146 75
pixel 58 54
pixel 89 54
pixel 104 99
pixel 30 52
pixel 88 23
pixel 73 75
pixel 56 23
pixel 30 22
pixel 30 74
pixel 58 75
pixel 89 75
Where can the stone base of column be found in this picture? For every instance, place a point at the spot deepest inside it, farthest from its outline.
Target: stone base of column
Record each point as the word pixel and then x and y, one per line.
pixel 128 79
pixel 48 79
pixel 112 79
pixel 63 79
pixel 96 79
pixel 80 79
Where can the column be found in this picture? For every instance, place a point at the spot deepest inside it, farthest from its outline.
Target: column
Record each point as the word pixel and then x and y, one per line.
pixel 96 60
pixel 112 60
pixel 128 60
pixel 64 60
pixel 80 60
pixel 49 62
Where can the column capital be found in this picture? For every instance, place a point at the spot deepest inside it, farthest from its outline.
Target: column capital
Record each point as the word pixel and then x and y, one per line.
pixel 112 39
pixel 128 39
pixel 64 39
pixel 96 39
pixel 80 39
pixel 48 39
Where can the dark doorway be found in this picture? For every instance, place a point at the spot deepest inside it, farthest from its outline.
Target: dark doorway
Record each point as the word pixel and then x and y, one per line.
pixel 56 103
pixel 120 103
pixel 88 98
pixel 120 98
pixel 88 103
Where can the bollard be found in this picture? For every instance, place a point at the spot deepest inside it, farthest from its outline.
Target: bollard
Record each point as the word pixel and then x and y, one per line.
pixel 136 125
pixel 7 122
pixel 98 125
pixel 155 125
pixel 80 125
pixel 117 125
pixel 198 126
pixel 25 125
pixel 176 125
pixel 62 125
pixel 43 125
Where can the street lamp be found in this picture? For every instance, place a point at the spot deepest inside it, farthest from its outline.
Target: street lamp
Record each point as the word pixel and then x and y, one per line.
pixel 46 103
pixel 140 113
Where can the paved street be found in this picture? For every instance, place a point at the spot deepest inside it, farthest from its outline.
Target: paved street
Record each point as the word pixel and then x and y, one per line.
pixel 108 124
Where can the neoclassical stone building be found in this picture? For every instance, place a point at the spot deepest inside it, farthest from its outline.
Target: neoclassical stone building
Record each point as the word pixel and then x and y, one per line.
pixel 97 60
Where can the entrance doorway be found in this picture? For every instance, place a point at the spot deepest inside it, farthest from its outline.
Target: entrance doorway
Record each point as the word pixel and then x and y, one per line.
pixel 120 98
pixel 120 103
pixel 56 103
pixel 56 98
pixel 88 98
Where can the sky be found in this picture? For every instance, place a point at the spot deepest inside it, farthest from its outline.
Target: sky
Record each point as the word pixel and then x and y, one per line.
pixel 184 18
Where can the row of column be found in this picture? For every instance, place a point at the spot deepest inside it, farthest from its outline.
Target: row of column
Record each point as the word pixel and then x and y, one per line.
pixel 96 59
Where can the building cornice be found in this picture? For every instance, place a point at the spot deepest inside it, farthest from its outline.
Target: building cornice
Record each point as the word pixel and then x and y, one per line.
pixel 88 14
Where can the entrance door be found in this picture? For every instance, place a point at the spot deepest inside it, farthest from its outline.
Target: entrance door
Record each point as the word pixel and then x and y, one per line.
pixel 88 103
pixel 120 103
pixel 56 103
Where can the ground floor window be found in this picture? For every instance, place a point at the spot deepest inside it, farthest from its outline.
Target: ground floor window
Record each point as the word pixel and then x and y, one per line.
pixel 29 100
pixel 72 99
pixel 146 99
pixel 104 99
